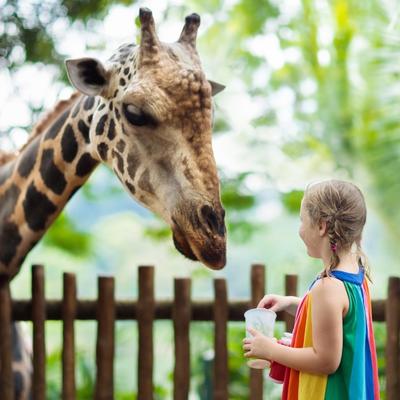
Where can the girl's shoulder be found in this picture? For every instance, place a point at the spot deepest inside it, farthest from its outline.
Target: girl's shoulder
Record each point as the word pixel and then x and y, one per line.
pixel 327 283
pixel 329 289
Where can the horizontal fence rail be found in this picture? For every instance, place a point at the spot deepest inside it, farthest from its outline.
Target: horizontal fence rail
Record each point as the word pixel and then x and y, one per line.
pixel 127 310
pixel 182 310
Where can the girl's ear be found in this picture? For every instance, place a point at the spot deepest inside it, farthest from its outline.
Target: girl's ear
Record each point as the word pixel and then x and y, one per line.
pixel 88 75
pixel 322 227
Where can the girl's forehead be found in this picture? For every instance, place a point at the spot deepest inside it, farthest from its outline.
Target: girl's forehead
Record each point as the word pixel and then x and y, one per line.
pixel 302 206
pixel 303 211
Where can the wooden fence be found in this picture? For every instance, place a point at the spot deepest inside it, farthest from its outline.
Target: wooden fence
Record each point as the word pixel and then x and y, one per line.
pixel 182 310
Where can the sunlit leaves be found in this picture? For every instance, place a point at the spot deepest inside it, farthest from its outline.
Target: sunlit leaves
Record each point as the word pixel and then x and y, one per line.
pixel 249 16
pixel 292 200
pixel 64 235
pixel 233 198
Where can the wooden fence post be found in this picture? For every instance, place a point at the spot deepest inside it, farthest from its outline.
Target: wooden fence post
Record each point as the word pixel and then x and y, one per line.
pixel 68 350
pixel 6 374
pixel 392 342
pixel 290 290
pixel 145 318
pixel 181 315
pixel 105 347
pixel 39 343
pixel 257 293
pixel 220 384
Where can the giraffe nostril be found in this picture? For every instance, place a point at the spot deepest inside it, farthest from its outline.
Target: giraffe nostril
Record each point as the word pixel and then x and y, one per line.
pixel 211 218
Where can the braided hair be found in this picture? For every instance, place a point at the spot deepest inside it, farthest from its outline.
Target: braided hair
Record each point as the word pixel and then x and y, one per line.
pixel 341 204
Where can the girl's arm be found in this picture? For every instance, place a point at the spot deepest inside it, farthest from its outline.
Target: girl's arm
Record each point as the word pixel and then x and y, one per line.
pixel 276 302
pixel 294 303
pixel 328 300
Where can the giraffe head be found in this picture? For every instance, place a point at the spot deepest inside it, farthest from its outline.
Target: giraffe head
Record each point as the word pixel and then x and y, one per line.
pixel 152 124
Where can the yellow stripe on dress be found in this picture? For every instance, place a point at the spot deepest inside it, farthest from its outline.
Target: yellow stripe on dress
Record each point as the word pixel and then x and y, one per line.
pixel 311 386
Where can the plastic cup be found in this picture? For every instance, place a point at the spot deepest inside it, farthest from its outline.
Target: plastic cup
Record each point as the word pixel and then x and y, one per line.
pixel 263 320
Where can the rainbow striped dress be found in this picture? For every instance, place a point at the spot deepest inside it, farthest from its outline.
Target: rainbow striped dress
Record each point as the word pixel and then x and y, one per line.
pixel 357 375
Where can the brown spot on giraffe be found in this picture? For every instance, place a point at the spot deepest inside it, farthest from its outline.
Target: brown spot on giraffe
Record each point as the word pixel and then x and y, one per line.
pixel 144 183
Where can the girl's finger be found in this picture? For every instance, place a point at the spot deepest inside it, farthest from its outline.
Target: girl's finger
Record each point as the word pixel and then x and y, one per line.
pixel 252 331
pixel 248 354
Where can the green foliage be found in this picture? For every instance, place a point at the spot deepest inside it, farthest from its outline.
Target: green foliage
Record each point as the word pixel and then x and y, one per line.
pixel 158 231
pixel 249 16
pixel 53 378
pixel 238 370
pixel 292 200
pixel 85 375
pixel 88 9
pixel 238 200
pixel 221 125
pixel 27 26
pixel 236 194
pixel 64 235
pixel 38 45
pixel 380 341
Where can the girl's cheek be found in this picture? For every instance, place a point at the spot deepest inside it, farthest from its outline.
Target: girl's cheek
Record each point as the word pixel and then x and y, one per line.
pixel 301 233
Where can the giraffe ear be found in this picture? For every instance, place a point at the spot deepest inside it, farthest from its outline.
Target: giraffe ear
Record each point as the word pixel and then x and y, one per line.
pixel 216 87
pixel 88 75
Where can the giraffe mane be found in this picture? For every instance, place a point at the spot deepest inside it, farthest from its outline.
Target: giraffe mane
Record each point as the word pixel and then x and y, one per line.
pixel 44 122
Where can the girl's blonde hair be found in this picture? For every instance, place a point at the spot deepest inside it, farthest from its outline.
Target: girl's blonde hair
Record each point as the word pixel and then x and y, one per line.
pixel 341 204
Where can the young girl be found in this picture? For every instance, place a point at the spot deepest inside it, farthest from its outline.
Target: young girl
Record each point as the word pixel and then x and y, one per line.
pixel 332 354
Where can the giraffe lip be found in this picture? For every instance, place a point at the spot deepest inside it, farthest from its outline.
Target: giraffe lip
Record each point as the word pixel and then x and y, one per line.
pixel 214 256
pixel 182 245
pixel 212 252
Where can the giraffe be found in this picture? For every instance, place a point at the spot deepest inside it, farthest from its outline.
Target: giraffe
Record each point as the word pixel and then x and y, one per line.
pixel 147 114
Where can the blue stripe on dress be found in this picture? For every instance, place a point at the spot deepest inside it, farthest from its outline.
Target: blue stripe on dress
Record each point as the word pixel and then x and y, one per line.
pixel 357 387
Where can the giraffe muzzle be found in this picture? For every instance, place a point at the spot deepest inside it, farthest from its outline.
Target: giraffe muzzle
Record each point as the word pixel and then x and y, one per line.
pixel 201 237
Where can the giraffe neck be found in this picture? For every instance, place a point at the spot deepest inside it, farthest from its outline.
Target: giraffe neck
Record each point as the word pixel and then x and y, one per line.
pixel 38 183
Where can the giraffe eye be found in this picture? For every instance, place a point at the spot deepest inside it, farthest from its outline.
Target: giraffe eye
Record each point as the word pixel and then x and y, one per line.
pixel 136 116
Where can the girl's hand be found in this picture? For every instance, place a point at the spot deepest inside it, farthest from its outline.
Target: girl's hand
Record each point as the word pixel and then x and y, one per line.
pixel 276 302
pixel 258 346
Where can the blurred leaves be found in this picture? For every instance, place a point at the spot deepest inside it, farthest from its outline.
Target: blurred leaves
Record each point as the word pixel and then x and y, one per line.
pixel 158 230
pixel 380 333
pixel 64 235
pixel 336 59
pixel 235 195
pixel 248 16
pixel 90 9
pixel 26 27
pixel 292 200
